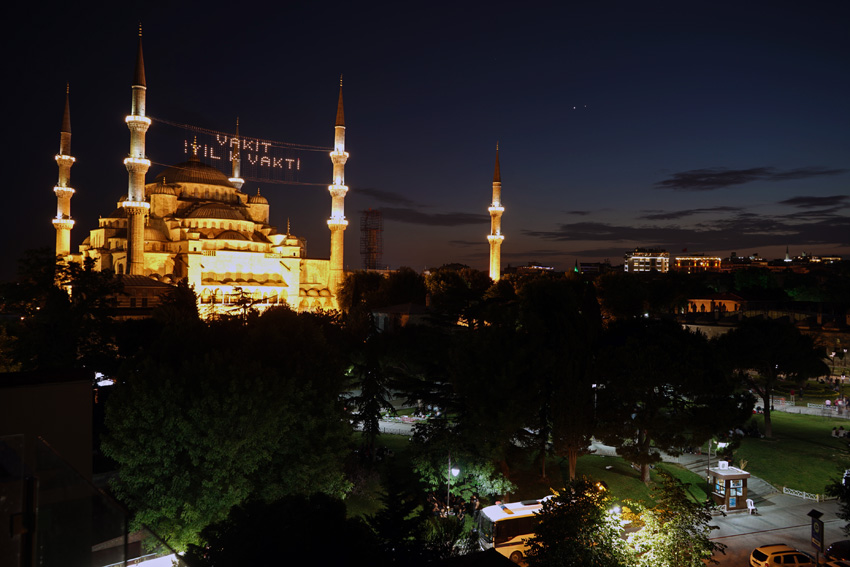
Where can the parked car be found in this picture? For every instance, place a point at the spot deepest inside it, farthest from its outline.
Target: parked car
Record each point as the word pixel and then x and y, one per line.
pixel 838 550
pixel 778 554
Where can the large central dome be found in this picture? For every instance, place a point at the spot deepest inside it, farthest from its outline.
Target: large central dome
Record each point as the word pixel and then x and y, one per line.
pixel 193 171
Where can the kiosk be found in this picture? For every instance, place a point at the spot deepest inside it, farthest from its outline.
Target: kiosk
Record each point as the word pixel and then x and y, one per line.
pixel 728 486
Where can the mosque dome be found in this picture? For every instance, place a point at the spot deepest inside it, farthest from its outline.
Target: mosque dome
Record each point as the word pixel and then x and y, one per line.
pixel 162 189
pixel 257 199
pixel 193 171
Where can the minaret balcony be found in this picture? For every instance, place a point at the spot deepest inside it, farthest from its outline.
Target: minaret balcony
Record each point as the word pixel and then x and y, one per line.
pixel 338 190
pixel 136 206
pixel 63 223
pixel 137 165
pixel 336 224
pixel 131 118
pixel 62 158
pixel 63 191
pixel 496 209
pixel 495 237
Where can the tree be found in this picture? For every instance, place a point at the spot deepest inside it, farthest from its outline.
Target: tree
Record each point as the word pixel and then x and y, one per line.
pixel 398 524
pixel 676 530
pixel 762 351
pixel 456 294
pixel 576 527
pixel 62 313
pixel 840 489
pixel 434 442
pixel 229 414
pixel 662 391
pixel 560 324
pixel 371 376
pixel 294 530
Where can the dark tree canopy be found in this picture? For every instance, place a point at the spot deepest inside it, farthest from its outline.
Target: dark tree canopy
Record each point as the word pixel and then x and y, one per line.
pixel 576 528
pixel 662 391
pixel 233 412
pixel 762 351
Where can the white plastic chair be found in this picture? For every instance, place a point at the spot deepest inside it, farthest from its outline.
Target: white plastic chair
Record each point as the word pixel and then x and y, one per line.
pixel 751 506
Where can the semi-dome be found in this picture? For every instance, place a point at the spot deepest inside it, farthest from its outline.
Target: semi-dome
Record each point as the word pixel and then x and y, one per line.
pixel 231 235
pixel 215 211
pixel 257 199
pixel 193 171
pixel 154 234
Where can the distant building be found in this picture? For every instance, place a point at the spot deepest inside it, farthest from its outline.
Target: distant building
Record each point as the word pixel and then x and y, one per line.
pixel 647 260
pixel 530 268
pixel 696 263
pixel 594 267
pixel 735 262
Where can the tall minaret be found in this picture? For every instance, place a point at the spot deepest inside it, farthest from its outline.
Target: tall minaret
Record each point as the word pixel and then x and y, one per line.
pixel 63 223
pixel 337 222
pixel 137 165
pixel 496 237
pixel 235 160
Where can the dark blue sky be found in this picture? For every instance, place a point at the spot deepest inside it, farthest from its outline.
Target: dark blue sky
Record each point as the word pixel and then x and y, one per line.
pixel 711 126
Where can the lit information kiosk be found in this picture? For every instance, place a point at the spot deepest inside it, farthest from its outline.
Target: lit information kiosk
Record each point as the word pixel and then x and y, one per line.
pixel 728 486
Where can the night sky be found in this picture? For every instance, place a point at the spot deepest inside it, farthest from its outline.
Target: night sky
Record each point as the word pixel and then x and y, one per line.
pixel 707 126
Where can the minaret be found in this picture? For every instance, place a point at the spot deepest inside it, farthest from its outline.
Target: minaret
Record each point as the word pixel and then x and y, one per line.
pixel 496 237
pixel 63 223
pixel 137 165
pixel 337 222
pixel 235 160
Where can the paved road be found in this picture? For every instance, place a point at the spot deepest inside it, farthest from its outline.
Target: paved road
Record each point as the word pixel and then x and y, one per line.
pixel 780 519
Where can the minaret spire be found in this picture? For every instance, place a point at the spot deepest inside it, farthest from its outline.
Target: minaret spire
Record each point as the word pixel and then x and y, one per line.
pixel 337 222
pixel 137 165
pixel 496 237
pixel 340 113
pixel 235 160
pixel 63 223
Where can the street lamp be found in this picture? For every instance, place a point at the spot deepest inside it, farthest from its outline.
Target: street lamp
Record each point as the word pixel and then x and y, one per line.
pixel 453 471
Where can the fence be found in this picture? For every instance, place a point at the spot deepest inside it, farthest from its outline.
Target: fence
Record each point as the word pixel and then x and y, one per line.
pixel 805 495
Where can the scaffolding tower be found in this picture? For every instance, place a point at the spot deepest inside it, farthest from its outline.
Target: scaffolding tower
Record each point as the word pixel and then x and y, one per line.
pixel 371 238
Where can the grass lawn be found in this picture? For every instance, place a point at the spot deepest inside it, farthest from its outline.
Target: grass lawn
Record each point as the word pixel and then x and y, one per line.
pixel 802 453
pixel 623 481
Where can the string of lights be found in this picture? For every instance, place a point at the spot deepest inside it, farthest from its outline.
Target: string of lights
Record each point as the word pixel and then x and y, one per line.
pixel 261 161
pixel 262 142
pixel 252 179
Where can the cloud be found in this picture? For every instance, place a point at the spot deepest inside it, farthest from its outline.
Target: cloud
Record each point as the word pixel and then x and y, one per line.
pixel 718 178
pixel 673 215
pixel 578 213
pixel 741 231
pixel 815 202
pixel 387 197
pixel 468 243
pixel 412 216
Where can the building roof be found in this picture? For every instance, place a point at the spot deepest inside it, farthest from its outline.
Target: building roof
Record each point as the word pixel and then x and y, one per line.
pixel 215 210
pixel 193 171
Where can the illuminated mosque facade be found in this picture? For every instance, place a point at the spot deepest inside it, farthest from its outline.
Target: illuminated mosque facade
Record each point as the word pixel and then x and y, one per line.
pixel 193 222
